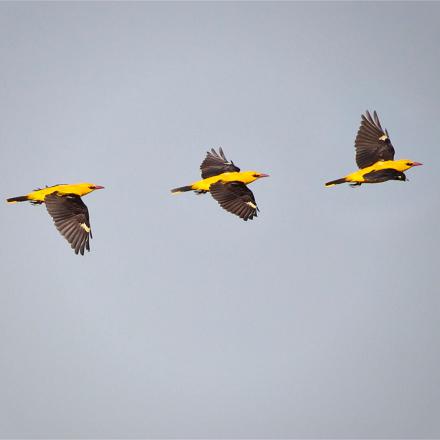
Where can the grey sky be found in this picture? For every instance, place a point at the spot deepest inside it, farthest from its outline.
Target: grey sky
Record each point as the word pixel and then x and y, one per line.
pixel 317 319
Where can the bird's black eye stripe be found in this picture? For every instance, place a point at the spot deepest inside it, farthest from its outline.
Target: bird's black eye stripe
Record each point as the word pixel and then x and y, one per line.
pixel 409 164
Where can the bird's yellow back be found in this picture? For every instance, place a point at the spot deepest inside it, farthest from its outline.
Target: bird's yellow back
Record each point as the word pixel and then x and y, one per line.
pixel 80 189
pixel 245 177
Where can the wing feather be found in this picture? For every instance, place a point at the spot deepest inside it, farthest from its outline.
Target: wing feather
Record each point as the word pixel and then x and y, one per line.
pixel 236 198
pixel 216 163
pixel 372 142
pixel 71 218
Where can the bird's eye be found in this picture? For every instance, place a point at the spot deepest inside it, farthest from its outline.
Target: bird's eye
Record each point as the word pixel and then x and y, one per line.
pixel 256 175
pixel 409 164
pixel 92 187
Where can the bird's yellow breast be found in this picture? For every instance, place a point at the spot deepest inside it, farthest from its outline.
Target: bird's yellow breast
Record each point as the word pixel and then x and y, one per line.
pixel 243 176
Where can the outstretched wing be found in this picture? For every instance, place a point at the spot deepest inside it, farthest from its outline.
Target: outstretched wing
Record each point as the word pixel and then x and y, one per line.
pixel 372 142
pixel 236 198
pixel 216 163
pixel 71 218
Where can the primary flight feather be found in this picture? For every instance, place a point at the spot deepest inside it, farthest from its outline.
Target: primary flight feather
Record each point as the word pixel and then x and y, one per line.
pixel 227 184
pixel 69 213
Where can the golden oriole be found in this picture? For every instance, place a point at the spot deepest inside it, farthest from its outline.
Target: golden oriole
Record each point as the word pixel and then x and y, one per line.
pixel 70 214
pixel 227 184
pixel 375 156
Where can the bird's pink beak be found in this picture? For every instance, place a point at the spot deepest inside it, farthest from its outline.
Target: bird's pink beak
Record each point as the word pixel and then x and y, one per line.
pixel 416 164
pixel 263 175
pixel 98 187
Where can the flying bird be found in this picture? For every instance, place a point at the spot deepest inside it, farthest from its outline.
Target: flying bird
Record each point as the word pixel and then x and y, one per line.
pixel 70 214
pixel 227 184
pixel 375 156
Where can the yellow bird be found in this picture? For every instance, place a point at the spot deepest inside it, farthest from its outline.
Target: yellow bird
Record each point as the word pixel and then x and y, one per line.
pixel 227 185
pixel 69 213
pixel 375 156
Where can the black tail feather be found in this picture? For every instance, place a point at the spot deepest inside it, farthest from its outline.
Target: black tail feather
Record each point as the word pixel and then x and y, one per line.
pixel 335 182
pixel 17 199
pixel 182 189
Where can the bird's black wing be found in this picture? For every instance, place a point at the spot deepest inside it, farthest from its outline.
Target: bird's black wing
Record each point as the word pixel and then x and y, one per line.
pixel 216 163
pixel 372 142
pixel 71 218
pixel 378 176
pixel 236 198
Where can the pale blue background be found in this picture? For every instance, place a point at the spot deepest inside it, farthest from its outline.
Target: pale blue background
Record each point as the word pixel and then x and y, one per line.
pixel 320 318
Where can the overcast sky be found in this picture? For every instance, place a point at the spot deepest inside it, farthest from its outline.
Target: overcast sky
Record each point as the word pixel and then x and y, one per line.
pixel 319 318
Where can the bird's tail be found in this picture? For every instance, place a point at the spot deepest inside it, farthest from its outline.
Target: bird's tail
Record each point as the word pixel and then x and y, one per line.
pixel 182 189
pixel 336 182
pixel 17 199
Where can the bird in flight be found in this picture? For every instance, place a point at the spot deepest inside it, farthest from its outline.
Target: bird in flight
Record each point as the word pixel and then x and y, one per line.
pixel 375 156
pixel 227 184
pixel 70 214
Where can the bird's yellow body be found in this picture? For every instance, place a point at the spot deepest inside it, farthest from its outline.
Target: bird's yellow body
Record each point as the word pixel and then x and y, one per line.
pixel 245 177
pixel 80 189
pixel 398 165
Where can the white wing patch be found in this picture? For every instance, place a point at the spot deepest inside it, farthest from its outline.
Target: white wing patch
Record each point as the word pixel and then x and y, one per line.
pixel 85 227
pixel 383 137
pixel 252 205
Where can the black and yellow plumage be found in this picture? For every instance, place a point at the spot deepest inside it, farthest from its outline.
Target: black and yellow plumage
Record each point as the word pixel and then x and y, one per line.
pixel 227 184
pixel 68 211
pixel 375 156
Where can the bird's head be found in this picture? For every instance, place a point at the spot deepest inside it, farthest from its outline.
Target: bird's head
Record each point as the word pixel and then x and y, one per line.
pixel 252 176
pixel 92 186
pixel 406 164
pixel 87 187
